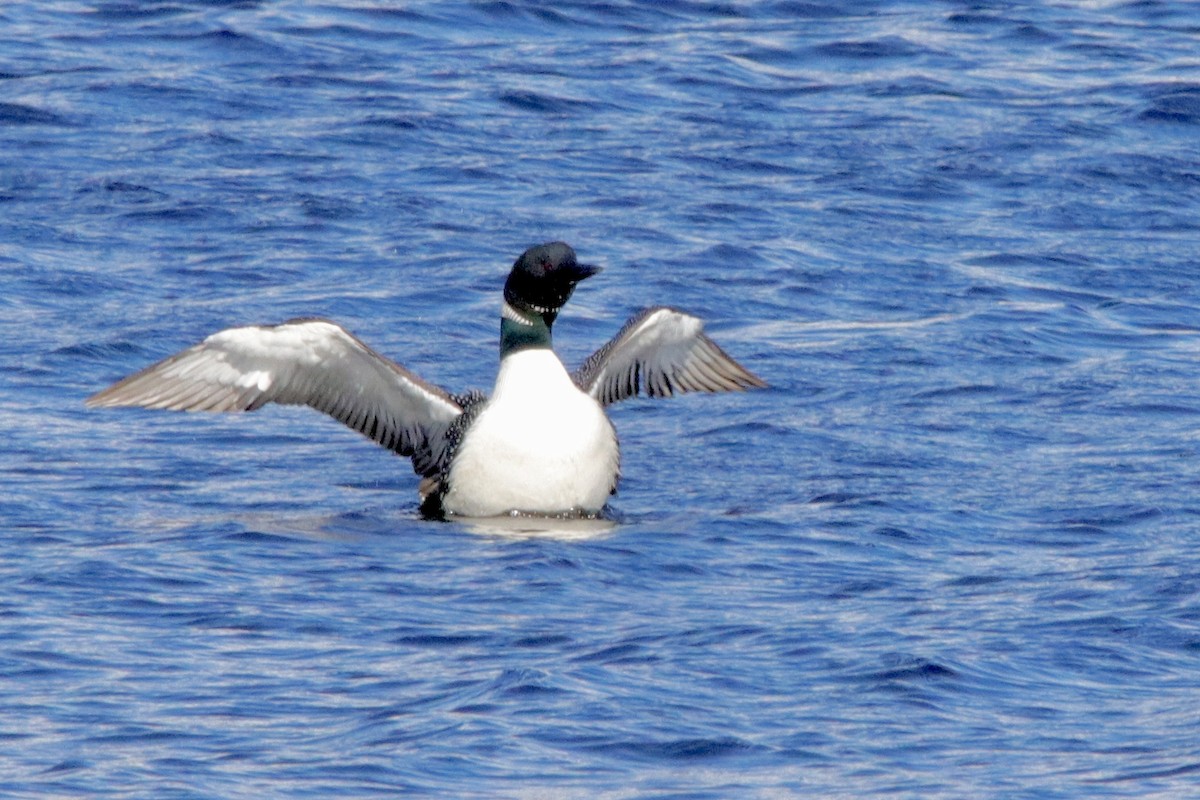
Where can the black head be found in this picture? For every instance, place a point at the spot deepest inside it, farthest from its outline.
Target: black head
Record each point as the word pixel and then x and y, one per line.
pixel 543 278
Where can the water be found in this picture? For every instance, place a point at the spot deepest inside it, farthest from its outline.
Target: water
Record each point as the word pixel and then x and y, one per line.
pixel 950 553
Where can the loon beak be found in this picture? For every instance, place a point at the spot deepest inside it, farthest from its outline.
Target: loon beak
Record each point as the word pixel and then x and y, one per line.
pixel 584 271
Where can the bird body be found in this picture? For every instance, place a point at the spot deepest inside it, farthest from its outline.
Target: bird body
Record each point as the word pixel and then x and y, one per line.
pixel 541 444
pixel 560 450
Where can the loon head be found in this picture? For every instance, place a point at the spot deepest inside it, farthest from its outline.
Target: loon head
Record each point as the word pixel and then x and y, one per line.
pixel 542 280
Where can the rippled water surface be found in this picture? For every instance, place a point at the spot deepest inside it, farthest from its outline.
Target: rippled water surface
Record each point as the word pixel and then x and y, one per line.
pixel 952 552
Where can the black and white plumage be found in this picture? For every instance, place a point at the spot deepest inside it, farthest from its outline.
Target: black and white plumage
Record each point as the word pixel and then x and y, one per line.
pixel 540 444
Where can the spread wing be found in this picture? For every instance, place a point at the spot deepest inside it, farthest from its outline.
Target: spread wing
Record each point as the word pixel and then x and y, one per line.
pixel 661 351
pixel 310 362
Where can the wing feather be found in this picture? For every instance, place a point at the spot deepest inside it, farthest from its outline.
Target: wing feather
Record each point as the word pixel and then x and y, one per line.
pixel 310 362
pixel 661 351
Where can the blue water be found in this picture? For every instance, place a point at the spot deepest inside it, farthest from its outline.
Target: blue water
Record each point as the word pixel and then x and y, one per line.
pixel 953 552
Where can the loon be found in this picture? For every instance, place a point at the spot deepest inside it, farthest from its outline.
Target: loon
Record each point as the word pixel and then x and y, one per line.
pixel 541 444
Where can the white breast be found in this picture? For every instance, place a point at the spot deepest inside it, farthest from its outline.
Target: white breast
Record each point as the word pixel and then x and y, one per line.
pixel 539 446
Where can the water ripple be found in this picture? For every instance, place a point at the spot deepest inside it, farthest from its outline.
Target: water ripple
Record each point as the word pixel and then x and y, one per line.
pixel 950 553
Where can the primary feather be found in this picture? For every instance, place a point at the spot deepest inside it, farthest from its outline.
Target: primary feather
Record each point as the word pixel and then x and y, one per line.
pixel 310 362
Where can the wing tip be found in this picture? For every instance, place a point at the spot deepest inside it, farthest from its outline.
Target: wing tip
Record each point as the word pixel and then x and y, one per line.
pixel 108 398
pixel 730 370
pixel 748 380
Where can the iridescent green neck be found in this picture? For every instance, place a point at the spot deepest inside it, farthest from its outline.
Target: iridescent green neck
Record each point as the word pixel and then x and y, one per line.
pixel 523 330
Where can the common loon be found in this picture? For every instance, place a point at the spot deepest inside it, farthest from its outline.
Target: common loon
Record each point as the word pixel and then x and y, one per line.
pixel 541 444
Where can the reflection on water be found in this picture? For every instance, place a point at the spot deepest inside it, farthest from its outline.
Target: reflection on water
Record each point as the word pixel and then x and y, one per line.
pixel 528 527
